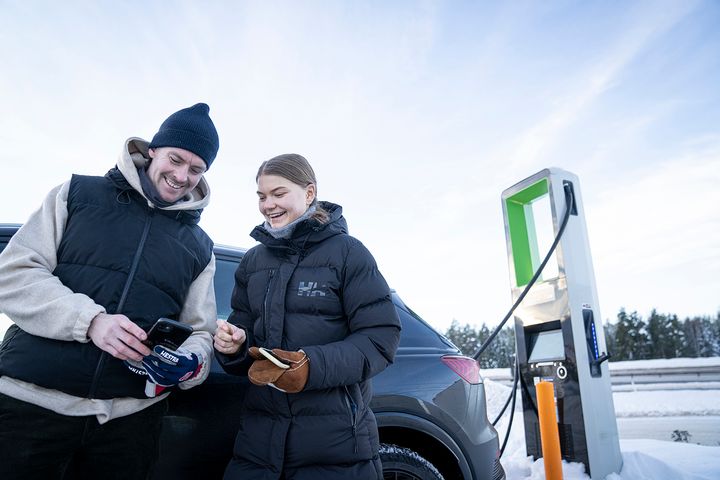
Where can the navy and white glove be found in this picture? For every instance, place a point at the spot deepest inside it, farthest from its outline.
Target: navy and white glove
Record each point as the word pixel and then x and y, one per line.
pixel 166 368
pixel 135 367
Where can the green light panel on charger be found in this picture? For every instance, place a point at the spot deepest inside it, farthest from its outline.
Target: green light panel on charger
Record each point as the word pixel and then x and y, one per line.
pixel 523 234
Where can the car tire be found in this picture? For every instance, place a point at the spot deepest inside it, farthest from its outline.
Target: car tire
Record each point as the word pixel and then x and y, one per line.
pixel 400 463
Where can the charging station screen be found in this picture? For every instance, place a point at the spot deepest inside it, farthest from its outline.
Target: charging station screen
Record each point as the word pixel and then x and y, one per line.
pixel 546 346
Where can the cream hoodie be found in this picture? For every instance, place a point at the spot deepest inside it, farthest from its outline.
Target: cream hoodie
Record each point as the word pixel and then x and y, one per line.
pixel 33 298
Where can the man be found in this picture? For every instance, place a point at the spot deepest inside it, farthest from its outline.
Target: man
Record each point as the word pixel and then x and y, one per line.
pixel 83 280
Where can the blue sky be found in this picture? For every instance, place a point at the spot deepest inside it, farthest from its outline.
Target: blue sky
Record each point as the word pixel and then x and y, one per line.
pixel 415 115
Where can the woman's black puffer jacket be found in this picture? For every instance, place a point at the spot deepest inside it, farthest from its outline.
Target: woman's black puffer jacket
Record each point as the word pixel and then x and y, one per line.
pixel 319 291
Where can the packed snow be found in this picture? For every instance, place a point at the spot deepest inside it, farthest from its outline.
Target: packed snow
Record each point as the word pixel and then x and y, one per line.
pixel 643 459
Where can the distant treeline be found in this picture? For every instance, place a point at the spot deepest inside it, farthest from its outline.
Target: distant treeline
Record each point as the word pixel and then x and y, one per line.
pixel 630 337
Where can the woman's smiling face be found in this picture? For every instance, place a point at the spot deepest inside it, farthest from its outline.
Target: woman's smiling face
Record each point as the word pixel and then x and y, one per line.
pixel 281 201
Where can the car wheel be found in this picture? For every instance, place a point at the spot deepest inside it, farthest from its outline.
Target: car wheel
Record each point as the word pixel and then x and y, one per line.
pixel 399 463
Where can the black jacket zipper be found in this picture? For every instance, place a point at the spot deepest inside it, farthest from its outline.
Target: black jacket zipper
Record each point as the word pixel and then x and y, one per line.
pixel 352 407
pixel 123 298
pixel 266 307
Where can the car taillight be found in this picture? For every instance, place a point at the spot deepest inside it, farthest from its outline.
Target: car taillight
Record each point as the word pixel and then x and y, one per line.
pixel 466 367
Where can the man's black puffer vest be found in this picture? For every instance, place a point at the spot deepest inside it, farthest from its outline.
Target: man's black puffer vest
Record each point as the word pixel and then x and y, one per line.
pixel 126 256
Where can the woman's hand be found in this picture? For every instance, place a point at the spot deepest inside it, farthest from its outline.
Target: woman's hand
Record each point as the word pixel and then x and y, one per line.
pixel 228 338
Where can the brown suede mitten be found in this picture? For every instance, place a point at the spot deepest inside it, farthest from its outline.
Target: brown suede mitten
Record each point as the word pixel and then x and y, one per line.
pixel 255 353
pixel 290 380
pixel 293 379
pixel 262 372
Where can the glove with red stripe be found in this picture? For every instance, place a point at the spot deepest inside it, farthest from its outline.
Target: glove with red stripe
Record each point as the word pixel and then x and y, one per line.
pixel 166 368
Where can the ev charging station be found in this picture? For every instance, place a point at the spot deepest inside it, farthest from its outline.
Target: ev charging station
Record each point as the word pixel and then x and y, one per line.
pixel 558 328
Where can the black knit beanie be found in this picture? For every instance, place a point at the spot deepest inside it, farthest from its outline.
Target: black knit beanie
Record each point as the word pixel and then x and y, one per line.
pixel 191 129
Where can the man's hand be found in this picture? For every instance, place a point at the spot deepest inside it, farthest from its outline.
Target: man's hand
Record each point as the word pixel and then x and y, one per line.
pixel 119 336
pixel 228 338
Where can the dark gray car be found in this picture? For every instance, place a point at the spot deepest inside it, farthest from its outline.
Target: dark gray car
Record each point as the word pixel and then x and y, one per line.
pixel 430 406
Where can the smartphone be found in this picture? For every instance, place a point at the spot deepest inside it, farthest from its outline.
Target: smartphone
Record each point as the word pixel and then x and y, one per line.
pixel 274 358
pixel 168 333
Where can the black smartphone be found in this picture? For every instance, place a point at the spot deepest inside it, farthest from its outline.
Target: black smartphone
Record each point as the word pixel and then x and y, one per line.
pixel 168 333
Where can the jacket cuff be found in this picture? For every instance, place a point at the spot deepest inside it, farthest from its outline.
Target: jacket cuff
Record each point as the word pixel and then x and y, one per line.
pixel 232 360
pixel 200 376
pixel 316 378
pixel 82 324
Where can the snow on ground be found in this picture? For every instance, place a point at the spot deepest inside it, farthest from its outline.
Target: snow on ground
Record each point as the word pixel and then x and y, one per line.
pixel 643 459
pixel 663 403
pixel 658 460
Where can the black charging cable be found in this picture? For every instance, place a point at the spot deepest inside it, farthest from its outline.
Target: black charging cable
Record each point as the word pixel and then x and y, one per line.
pixel 507 402
pixel 570 203
pixel 513 395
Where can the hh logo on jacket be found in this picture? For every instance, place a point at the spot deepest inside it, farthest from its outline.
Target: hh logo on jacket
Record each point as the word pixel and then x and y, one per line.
pixel 310 289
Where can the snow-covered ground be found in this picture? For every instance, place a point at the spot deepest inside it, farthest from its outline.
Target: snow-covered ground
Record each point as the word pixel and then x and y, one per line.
pixel 643 459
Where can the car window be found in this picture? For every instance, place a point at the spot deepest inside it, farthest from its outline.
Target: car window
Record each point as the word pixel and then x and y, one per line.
pixel 416 333
pixel 224 283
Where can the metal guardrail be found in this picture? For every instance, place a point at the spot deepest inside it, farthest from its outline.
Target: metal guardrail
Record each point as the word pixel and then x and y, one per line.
pixel 686 373
pixel 699 374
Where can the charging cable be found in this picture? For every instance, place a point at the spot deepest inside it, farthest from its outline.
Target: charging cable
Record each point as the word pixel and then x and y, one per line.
pixel 570 205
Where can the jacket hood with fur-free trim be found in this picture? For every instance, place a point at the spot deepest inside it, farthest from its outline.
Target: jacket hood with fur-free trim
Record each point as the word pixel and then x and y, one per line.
pixel 135 155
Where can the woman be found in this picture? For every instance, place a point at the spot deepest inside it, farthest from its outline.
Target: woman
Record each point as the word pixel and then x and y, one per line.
pixel 313 296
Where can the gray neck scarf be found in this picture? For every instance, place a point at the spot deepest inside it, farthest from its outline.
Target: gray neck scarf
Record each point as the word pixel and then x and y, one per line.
pixel 287 230
pixel 151 192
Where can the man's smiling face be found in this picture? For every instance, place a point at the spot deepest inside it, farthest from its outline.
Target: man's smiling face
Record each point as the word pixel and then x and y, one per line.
pixel 174 172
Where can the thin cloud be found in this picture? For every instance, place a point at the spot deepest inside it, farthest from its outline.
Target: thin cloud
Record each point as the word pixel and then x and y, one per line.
pixel 661 228
pixel 537 142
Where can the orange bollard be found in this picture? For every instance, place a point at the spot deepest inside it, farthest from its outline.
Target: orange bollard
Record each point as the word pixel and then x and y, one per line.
pixel 549 436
